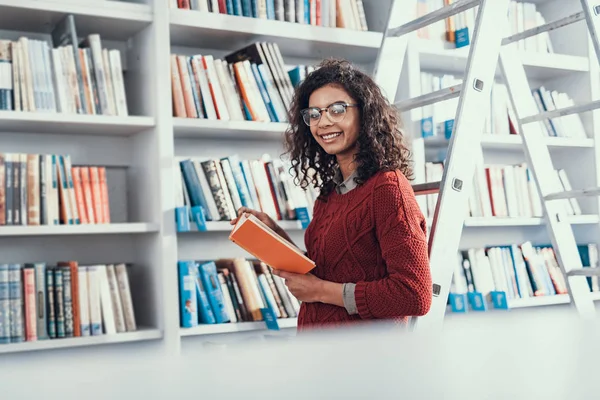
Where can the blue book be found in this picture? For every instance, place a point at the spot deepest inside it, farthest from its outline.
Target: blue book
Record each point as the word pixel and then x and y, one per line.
pixel 271 9
pixel 246 8
pixel 210 280
pixel 59 306
pixel 15 293
pixel 263 92
pixel 240 181
pixel 187 294
pixel 4 305
pixel 192 184
pixel 205 312
pixel 237 8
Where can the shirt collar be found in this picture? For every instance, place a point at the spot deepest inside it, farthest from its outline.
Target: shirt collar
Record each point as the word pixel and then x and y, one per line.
pixel 344 185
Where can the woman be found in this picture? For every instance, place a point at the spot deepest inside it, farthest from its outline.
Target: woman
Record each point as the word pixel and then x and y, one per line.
pixel 368 235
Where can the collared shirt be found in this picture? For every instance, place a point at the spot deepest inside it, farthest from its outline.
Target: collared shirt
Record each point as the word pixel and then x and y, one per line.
pixel 343 187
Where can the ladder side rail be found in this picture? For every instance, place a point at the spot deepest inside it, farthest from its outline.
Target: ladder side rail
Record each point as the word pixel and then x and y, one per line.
pixel 392 53
pixel 592 17
pixel 459 170
pixel 542 169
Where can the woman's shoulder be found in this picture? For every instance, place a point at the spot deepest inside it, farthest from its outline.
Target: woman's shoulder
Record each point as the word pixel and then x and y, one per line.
pixel 392 180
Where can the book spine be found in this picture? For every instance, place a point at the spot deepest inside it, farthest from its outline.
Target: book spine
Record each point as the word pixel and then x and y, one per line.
pixel 16 303
pixel 41 301
pixel 4 305
pixel 51 306
pixel 29 302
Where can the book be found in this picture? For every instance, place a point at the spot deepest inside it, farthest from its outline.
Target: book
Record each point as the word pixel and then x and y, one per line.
pixel 255 237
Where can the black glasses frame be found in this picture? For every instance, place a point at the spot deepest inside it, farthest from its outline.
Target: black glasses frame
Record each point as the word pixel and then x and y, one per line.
pixel 345 105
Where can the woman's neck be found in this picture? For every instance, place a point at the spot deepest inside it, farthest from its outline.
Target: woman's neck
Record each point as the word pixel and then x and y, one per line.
pixel 346 164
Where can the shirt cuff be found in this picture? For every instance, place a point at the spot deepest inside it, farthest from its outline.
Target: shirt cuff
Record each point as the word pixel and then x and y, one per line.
pixel 349 299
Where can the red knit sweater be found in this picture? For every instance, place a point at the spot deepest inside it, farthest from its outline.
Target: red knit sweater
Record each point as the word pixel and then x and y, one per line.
pixel 374 236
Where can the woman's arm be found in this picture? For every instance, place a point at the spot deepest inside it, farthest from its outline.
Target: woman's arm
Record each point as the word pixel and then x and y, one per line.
pixel 400 231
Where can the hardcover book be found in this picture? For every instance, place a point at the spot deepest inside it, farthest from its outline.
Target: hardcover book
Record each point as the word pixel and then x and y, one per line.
pixel 263 243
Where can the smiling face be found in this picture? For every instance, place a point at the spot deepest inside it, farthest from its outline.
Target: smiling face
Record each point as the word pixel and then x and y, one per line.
pixel 336 138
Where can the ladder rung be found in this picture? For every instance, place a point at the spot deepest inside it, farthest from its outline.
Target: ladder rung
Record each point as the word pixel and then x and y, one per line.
pixel 569 194
pixel 562 112
pixel 421 189
pixel 433 17
pixel 584 272
pixel 544 28
pixel 429 98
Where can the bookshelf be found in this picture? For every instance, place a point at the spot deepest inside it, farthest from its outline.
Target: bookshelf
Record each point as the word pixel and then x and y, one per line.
pixel 141 150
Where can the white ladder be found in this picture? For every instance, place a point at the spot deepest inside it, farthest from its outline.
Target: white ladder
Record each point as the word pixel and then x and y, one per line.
pixel 529 121
pixel 457 179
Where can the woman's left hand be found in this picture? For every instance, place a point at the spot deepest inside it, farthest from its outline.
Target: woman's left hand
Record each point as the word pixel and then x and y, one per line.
pixel 305 287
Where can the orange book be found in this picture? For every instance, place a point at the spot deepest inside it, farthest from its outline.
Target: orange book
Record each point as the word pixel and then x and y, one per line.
pixel 263 243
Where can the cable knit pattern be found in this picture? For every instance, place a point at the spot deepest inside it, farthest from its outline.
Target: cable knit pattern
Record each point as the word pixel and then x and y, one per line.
pixel 374 236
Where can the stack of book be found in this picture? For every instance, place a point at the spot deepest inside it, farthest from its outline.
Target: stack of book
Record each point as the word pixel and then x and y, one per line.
pixel 39 301
pixel 222 186
pixel 251 84
pixel 66 77
pixel 230 291
pixel 45 189
pixel 520 270
pixel 503 191
pixel 349 14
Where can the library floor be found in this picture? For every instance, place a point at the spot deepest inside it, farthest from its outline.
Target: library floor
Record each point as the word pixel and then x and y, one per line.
pixel 501 356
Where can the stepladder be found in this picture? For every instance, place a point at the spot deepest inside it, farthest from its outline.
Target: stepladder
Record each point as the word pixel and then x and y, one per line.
pixel 555 192
pixel 454 188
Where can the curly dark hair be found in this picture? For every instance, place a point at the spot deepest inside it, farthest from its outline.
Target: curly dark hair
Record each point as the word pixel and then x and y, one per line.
pixel 380 141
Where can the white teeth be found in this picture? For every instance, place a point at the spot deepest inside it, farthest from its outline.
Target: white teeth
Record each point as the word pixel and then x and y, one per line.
pixel 331 136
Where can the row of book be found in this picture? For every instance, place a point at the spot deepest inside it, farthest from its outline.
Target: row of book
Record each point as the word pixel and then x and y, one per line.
pixel 64 76
pixel 503 191
pixel 45 189
pixel 520 270
pixel 222 186
pixel 249 84
pixel 230 291
pixel 457 30
pixel 42 301
pixel 349 14
pixel 438 119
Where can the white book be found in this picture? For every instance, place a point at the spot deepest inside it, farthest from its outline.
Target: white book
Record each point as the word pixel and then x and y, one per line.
pixel 71 190
pixel 94 299
pixel 205 187
pixel 117 304
pixel 84 304
pixel 219 99
pixel 106 306
pixel 119 85
pixel 125 293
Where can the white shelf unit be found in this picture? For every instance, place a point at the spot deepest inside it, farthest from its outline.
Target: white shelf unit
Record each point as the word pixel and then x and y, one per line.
pixel 141 150
pixel 129 147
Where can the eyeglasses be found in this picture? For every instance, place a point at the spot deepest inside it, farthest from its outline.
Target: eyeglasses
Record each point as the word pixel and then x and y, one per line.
pixel 335 112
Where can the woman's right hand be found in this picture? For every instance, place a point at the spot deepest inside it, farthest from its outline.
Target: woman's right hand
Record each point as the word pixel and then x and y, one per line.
pixel 263 217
